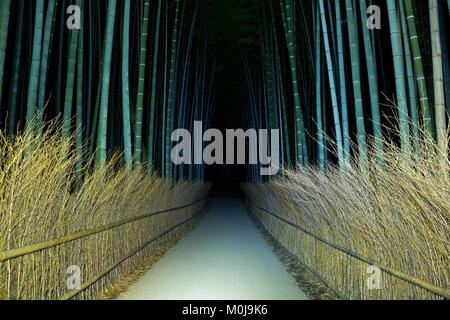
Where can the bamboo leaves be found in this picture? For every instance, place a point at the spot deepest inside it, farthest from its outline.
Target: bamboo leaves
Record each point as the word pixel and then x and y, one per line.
pixel 13 94
pixel 331 79
pixel 373 83
pixel 342 82
pixel 438 81
pixel 172 92
pixel 398 56
pixel 4 24
pixel 48 29
pixel 315 71
pixel 153 94
pixel 418 67
pixel 288 21
pixel 356 76
pixel 70 82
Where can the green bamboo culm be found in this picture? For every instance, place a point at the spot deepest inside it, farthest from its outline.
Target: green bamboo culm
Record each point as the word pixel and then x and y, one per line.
pixel 283 111
pixel 418 68
pixel 342 82
pixel 5 7
pixel 70 80
pixel 46 47
pixel 126 87
pixel 410 80
pixel 270 81
pixel 79 104
pixel 172 92
pixel 373 84
pixel 90 76
pixel 164 106
pixel 35 61
pixel 182 112
pixel 100 156
pixel 398 56
pixel 288 23
pixel 318 60
pixel 141 86
pixel 151 137
pixel 331 79
pixel 438 82
pixel 356 79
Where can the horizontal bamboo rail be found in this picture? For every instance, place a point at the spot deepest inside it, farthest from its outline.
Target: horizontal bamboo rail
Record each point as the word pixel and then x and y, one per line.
pixel 398 274
pixel 14 253
pixel 102 273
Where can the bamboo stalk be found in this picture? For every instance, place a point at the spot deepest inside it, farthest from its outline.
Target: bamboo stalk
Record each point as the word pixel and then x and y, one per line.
pixel 79 104
pixel 373 83
pixel 289 32
pixel 418 67
pixel 438 81
pixel 18 252
pixel 172 93
pixel 411 81
pixel 70 82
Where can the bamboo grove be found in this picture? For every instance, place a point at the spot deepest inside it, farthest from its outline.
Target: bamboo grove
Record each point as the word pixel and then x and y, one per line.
pixel 121 75
pixel 132 72
pixel 339 77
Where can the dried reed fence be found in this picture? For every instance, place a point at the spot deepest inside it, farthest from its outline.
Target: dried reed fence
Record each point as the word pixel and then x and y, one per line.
pixel 103 224
pixel 396 216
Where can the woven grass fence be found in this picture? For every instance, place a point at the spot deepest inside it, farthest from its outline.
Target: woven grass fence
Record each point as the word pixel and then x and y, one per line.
pixel 366 239
pixel 50 229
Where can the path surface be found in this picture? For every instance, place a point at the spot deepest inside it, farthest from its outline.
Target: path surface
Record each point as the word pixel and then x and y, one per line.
pixel 224 257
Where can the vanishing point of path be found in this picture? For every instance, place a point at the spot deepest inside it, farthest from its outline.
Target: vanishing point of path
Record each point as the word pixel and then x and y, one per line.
pixel 224 257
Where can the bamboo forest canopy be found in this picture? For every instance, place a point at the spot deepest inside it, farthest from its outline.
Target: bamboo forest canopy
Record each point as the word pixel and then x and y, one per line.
pixel 338 78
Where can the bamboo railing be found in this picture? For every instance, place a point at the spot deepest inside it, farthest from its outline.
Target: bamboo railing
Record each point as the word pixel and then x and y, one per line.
pixel 86 284
pixel 14 253
pixel 444 293
pixel 52 245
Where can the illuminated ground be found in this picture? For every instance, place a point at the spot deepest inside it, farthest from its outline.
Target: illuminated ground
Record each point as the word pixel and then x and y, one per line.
pixel 224 257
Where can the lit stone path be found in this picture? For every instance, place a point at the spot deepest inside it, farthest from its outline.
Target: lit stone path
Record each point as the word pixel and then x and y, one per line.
pixel 224 257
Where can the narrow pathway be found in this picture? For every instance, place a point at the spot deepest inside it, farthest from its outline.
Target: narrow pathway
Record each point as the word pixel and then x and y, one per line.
pixel 224 257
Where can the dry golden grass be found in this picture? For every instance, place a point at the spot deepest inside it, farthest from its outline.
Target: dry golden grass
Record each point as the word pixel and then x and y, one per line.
pixel 39 202
pixel 397 215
